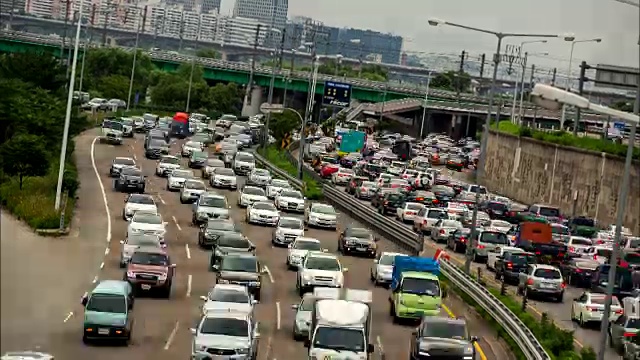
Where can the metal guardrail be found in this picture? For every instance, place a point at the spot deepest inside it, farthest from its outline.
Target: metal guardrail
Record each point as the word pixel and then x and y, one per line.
pixel 406 238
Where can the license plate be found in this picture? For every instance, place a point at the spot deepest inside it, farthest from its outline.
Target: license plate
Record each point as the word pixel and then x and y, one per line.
pixel 103 331
pixel 548 286
pixel 362 248
pixel 145 287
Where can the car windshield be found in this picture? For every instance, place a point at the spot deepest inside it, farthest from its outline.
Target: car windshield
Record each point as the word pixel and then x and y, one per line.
pixel 604 252
pixel 186 174
pixel 112 125
pixel 233 240
pixel 451 224
pixel 549 211
pixel 634 243
pixel 368 184
pixel 289 223
pixel 497 206
pixel 261 172
pixel 143 240
pixel 210 201
pixel 493 237
pixel 131 171
pixel 157 144
pixel 307 304
pixel 478 189
pixel 291 194
pixel 239 263
pixel 244 158
pixel 521 259
pixel 414 207
pixel 149 258
pixel 437 214
pixel 307 245
pixel 551 274
pixel 195 185
pixel 429 287
pixel 600 300
pixel 581 241
pixel 387 260
pixel 147 218
pixel 105 303
pixel 279 183
pixel 170 160
pixel 199 155
pixel 444 330
pixel 225 326
pixel 124 161
pixel 359 233
pixel 229 295
pixel 264 206
pixel 560 229
pixel 339 339
pixel 322 263
pixel 323 209
pixel 223 225
pixel 249 190
pixel 225 171
pixel 500 224
pixel 140 199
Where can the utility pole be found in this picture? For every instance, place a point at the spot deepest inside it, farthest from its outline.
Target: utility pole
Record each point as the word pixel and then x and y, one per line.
pixel 533 72
pixel 460 72
pixel 247 94
pixel 310 94
pixel 276 66
pixel 193 65
pixel 581 80
pixel 553 78
pixel 13 8
pixel 104 25
pixel 482 60
pixel 181 33
pixel 135 55
pixel 64 34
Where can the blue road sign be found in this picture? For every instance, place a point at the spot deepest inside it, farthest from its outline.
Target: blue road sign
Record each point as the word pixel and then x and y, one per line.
pixel 336 94
pixel 618 125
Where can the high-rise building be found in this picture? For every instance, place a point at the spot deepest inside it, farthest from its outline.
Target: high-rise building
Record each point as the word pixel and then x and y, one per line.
pixel 302 30
pixel 209 6
pixel 264 11
pixel 367 45
pixel 242 31
pixel 19 6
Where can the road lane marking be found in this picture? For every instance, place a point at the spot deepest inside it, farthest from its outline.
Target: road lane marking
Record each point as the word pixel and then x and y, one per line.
pixel 106 251
pixel 176 222
pixel 269 273
pixel 161 200
pixel 102 190
pixel 189 280
pixel 135 157
pixel 69 315
pixel 101 265
pixel 475 345
pixel 95 279
pixel 379 343
pixel 186 249
pixel 167 345
pixel 278 315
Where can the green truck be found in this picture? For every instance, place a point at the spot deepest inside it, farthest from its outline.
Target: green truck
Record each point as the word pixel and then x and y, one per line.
pixel 415 288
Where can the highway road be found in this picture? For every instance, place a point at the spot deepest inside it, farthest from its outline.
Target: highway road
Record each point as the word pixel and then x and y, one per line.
pixel 558 312
pixel 161 329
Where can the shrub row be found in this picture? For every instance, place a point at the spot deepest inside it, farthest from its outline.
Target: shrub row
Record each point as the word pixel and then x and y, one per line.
pixel 277 157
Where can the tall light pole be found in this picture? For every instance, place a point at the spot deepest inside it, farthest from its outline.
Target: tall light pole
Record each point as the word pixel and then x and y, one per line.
pixel 309 113
pixel 193 66
pixel 524 62
pixel 135 54
pixel 524 70
pixel 67 116
pixel 424 104
pixel 274 69
pixel 485 134
pixel 568 84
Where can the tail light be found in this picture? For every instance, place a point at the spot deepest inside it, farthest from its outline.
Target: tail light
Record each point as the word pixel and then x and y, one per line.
pixel 435 201
pixel 561 255
pixel 591 308
pixel 578 271
pixel 463 239
pixel 419 199
pixel 480 246
pixel 595 257
pixel 619 311
pixel 363 189
pixel 386 203
pixel 563 285
pixel 509 265
pixel 629 334
pixel 441 231
pixel 511 213
pixel 538 253
pixel 530 282
pixel 572 249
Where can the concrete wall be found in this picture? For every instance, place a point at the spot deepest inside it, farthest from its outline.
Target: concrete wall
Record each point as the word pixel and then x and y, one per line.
pixel 531 171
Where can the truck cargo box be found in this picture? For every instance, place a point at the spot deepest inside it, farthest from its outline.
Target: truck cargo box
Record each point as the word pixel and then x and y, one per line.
pixel 412 263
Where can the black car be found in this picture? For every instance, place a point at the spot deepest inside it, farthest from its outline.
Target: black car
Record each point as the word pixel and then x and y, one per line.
pixel 371 171
pixel 155 135
pixel 579 271
pixel 242 269
pixel 131 179
pixel 442 338
pixel 426 198
pixel 443 194
pixel 230 242
pixel 496 209
pixel 511 264
pixel 458 240
pixel 198 159
pixel 213 229
pixel 355 240
pixel 154 150
pixel 379 194
pixel 390 202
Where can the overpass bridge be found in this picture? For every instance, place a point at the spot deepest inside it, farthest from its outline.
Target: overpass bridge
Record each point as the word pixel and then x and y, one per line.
pixel 397 99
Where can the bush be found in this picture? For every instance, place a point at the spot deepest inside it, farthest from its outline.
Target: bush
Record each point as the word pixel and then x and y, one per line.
pixel 277 157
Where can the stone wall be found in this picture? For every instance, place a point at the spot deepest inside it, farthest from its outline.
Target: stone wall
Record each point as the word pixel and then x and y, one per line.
pixel 531 171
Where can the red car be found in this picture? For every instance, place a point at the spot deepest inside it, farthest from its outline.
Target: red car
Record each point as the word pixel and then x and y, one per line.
pixel 329 169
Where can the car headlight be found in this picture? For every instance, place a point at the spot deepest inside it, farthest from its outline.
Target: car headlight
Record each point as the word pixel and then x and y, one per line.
pixel 223 281
pixel 162 277
pixel 468 349
pixel 306 277
pixel 202 214
pixel 131 274
pixel 242 351
pixel 136 231
pixel 200 347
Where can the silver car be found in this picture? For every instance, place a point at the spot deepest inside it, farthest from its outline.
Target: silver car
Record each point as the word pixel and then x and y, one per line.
pixel 228 296
pixel 276 186
pixel 541 280
pixel 191 191
pixel 135 241
pixel 177 177
pixel 382 268
pixel 226 334
pixel 210 206
pixel 259 177
pixel 302 320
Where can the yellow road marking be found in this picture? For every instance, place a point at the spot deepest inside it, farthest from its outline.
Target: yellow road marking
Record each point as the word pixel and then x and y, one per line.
pixel 475 344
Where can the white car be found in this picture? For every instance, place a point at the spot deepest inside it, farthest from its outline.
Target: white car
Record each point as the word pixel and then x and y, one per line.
pixel 500 225
pixel 222 177
pixel 119 163
pixel 147 223
pixel 321 215
pixel 342 176
pixel 600 254
pixel 589 307
pixel 177 177
pixel 291 200
pixel 167 164
pixel 264 213
pixel 225 297
pixel 578 244
pixel 426 218
pixel 138 202
pixel 259 177
pixel 299 248
pixel 250 195
pixel 498 252
pixel 210 165
pixel 243 163
pixel 382 268
pixel 319 269
pixel 135 241
pixel 443 228
pixel 191 190
pixel 276 186
pixel 190 146
pixel 287 230
pixel 408 212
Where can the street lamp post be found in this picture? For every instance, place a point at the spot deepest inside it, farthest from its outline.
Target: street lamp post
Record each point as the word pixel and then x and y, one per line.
pixel 524 62
pixel 135 56
pixel 265 138
pixel 193 66
pixel 424 105
pixel 568 84
pixel 524 69
pixel 485 133
pixel 309 113
pixel 67 116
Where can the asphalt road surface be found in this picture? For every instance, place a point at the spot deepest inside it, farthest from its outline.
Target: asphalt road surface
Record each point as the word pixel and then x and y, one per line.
pixel 161 329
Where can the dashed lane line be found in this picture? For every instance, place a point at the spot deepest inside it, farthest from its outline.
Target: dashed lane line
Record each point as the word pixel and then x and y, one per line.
pixel 175 221
pixel 266 269
pixel 167 345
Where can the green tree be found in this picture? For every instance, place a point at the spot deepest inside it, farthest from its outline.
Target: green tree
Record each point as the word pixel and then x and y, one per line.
pixel 282 124
pixel 623 105
pixel 113 87
pixel 24 155
pixel 109 62
pixel 208 53
pixel 451 80
pixel 37 68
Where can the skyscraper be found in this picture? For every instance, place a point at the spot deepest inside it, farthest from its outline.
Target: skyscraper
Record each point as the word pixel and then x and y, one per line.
pixel 263 11
pixel 210 5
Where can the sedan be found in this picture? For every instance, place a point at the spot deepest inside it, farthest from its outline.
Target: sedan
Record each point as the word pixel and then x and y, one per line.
pixel 250 195
pixel 500 225
pixel 259 177
pixel 228 297
pixel 321 215
pixel 191 146
pixel 176 179
pixel 213 229
pixel 210 165
pixel 342 176
pixel 291 200
pixel 191 191
pixel 221 177
pixel 138 202
pixel 147 223
pixel 443 228
pixel 299 248
pixel 408 211
pixel 365 190
pixel 198 159
pixel 263 213
pixel 382 269
pixel 589 307
pixel 135 241
pixel 287 230
pixel 276 186
pixel 167 164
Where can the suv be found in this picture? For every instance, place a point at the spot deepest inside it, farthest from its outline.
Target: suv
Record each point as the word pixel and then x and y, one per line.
pixel 119 163
pixel 130 179
pixel 241 269
pixel 509 266
pixel 318 269
pixel 226 334
pixel 243 163
pixel 210 206
pixel 357 240
pixel 441 337
pixel 543 280
pixel 150 269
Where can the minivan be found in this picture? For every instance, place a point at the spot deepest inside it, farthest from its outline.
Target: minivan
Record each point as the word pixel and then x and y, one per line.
pixel 108 312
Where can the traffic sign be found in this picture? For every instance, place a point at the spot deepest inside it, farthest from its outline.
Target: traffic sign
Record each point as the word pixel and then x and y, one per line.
pixel 618 125
pixel 286 141
pixel 336 94
pixel 267 108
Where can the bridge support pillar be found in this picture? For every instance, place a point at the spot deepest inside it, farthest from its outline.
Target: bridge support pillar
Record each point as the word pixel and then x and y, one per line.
pixel 456 128
pixel 253 108
pixel 223 56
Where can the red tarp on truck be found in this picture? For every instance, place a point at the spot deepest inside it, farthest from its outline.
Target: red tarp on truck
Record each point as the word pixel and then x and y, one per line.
pixel 181 117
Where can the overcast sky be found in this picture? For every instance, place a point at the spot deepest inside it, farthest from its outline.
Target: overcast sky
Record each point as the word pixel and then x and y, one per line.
pixel 617 24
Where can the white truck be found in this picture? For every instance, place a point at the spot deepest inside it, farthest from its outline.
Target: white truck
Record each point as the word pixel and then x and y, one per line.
pixel 112 132
pixel 341 325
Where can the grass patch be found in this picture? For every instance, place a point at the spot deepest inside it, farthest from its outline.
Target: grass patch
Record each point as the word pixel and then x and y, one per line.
pixel 567 139
pixel 277 157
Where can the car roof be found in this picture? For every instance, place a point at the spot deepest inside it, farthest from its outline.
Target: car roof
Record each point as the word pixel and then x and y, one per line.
pixel 239 313
pixel 320 254
pixel 230 287
pixel 111 286
pixel 307 239
pixel 240 255
pixel 150 250
pixel 545 267
pixel 443 320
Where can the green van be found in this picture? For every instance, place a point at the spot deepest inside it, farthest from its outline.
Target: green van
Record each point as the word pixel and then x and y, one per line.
pixel 107 312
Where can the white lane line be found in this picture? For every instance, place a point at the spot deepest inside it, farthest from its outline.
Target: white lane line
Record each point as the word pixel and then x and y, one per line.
pixel 186 249
pixel 278 315
pixel 189 280
pixel 102 265
pixel 95 279
pixel 106 251
pixel 380 348
pixel 269 273
pixel 102 190
pixel 176 222
pixel 69 315
pixel 167 345
pixel 161 200
pixel 135 157
pixel 85 294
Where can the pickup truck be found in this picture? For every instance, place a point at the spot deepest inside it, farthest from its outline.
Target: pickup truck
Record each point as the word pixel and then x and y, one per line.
pixel 537 238
pixel 415 288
